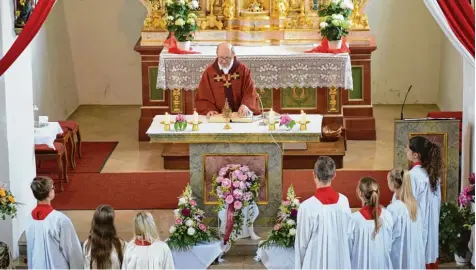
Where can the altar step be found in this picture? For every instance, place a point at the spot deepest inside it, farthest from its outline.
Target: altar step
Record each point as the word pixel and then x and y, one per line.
pixel 360 128
pixel 176 156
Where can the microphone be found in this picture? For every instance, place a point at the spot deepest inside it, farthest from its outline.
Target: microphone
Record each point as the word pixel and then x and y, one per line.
pixel 403 104
pixel 262 123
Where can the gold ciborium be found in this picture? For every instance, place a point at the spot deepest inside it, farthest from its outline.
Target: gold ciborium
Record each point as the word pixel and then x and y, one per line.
pixel 226 111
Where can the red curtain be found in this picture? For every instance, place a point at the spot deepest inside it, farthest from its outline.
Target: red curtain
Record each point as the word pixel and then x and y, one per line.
pixel 33 25
pixel 460 16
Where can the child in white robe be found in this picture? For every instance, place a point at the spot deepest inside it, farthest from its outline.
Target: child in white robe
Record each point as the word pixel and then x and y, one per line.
pixel 371 240
pixel 103 249
pixel 425 175
pixel 146 251
pixel 323 224
pixel 408 251
pixel 52 242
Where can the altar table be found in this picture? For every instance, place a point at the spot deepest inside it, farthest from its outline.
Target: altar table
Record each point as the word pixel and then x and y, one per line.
pixel 271 67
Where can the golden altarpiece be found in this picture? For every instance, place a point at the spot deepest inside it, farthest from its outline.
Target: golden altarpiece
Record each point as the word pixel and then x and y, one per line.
pixel 264 23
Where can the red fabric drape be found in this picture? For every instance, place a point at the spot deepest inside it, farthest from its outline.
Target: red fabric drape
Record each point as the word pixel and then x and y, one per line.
pixel 33 25
pixel 460 16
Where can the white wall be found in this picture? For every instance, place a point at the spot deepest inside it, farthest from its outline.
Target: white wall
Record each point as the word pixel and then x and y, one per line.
pixel 450 93
pixel 469 143
pixel 408 52
pixel 54 87
pixel 103 34
pixel 17 167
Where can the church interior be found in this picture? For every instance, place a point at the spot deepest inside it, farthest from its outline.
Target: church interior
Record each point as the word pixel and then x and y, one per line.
pixel 96 64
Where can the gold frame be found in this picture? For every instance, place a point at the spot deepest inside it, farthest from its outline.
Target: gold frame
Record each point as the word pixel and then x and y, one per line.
pixel 444 186
pixel 362 87
pixel 150 89
pixel 204 190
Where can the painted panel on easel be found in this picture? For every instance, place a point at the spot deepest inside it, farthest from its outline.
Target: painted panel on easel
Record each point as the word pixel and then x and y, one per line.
pixel 156 94
pixel 298 98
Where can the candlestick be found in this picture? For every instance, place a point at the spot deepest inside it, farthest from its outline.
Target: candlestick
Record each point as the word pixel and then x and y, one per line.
pixel 303 117
pixel 271 116
pixel 167 118
pixel 195 118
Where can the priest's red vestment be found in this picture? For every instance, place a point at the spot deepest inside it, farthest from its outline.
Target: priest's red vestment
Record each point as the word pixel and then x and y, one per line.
pixel 236 86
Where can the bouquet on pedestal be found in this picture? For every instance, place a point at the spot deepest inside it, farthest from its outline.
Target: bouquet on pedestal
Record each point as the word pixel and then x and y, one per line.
pixel 284 232
pixel 236 187
pixel 189 229
pixel 8 205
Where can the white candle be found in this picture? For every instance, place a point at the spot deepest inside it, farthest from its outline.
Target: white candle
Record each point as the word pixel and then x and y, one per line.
pixel 167 118
pixel 195 118
pixel 303 117
pixel 271 116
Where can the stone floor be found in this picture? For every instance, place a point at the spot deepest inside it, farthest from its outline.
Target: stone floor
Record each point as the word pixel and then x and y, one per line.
pixel 119 123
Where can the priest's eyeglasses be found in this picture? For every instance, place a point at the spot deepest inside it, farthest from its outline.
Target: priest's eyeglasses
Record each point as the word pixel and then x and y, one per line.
pixel 224 58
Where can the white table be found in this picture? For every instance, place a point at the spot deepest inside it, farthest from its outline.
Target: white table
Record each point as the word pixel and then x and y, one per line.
pixel 47 135
pixel 271 67
pixel 200 256
pixel 274 257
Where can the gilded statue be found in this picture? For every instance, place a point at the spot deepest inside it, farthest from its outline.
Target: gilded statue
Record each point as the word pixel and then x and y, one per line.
pixel 358 17
pixel 155 15
pixel 228 8
pixel 211 20
pixel 280 8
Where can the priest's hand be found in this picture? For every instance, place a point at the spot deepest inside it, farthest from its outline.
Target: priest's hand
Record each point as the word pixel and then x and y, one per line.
pixel 210 113
pixel 243 111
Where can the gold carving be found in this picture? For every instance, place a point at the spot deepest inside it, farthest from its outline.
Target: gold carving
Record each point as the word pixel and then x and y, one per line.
pixel 228 9
pixel 226 111
pixel 359 18
pixel 211 20
pixel 155 19
pixel 332 101
pixel 255 6
pixel 280 8
pixel 176 104
pixel 301 21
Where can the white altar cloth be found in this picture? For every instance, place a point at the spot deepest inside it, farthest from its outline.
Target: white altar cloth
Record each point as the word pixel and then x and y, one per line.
pixel 271 67
pixel 251 213
pixel 274 257
pixel 314 126
pixel 200 256
pixel 47 134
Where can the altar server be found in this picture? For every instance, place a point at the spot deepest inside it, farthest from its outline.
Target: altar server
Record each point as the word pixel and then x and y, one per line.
pixel 408 251
pixel 425 177
pixel 103 249
pixel 227 78
pixel 146 251
pixel 371 239
pixel 52 242
pixel 323 224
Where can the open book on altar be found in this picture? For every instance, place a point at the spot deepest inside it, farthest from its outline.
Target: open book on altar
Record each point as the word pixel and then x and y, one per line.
pixel 235 118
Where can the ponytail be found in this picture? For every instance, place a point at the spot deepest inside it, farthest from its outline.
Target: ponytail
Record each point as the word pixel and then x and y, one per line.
pixel 374 202
pixel 430 157
pixel 370 192
pixel 407 195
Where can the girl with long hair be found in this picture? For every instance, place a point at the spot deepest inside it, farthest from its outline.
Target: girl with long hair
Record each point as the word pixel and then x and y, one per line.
pixel 146 251
pixel 103 249
pixel 425 174
pixel 407 247
pixel 371 240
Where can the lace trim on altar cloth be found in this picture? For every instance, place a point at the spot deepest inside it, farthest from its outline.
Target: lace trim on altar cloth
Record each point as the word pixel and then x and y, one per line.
pixel 268 71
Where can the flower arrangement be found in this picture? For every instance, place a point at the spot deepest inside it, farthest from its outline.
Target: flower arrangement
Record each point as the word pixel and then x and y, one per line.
pixel 335 22
pixel 455 228
pixel 286 120
pixel 8 205
pixel 180 123
pixel 181 20
pixel 236 186
pixel 466 197
pixel 189 229
pixel 284 232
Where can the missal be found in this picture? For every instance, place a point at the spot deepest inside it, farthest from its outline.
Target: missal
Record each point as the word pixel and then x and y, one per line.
pixel 235 118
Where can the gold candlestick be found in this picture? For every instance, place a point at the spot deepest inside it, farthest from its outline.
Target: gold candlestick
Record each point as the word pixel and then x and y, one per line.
pixel 195 126
pixel 226 111
pixel 303 126
pixel 166 125
pixel 272 126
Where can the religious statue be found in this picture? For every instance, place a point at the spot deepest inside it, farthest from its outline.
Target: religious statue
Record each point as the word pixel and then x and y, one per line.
pixel 228 9
pixel 23 10
pixel 280 8
pixel 358 18
pixel 155 15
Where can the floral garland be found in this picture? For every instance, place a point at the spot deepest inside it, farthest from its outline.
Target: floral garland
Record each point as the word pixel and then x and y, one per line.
pixel 284 232
pixel 236 187
pixel 189 229
pixel 8 205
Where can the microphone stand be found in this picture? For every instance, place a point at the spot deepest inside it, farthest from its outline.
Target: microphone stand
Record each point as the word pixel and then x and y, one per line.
pixel 403 104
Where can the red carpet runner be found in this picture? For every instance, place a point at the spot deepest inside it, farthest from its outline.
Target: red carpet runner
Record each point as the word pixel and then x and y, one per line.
pixel 159 190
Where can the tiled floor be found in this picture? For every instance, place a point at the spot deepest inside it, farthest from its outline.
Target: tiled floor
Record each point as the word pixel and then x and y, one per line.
pixel 119 123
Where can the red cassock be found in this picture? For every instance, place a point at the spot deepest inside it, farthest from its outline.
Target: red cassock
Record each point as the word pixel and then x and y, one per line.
pixel 236 86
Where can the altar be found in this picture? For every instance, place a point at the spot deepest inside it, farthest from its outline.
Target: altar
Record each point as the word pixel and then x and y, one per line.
pixel 213 147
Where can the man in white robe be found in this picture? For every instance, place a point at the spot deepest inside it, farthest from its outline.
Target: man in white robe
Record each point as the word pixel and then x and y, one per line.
pixel 323 224
pixel 52 242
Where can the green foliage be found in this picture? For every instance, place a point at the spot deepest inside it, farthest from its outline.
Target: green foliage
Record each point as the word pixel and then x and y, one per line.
pixel 181 20
pixel 181 241
pixel 180 126
pixel 8 205
pixel 455 228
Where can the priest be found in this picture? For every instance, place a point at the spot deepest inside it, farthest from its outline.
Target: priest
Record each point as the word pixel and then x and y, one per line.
pixel 227 79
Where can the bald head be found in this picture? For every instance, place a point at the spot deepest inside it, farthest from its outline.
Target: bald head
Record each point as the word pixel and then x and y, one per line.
pixel 225 54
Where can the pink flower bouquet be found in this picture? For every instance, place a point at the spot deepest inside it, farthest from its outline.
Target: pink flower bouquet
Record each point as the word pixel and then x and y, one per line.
pixel 180 123
pixel 286 120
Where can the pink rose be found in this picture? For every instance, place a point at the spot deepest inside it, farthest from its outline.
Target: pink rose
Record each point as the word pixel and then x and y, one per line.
pixel 248 196
pixel 223 172
pixel 226 183
pixel 202 227
pixel 178 221
pixel 237 173
pixel 219 179
pixel 286 203
pixel 229 199
pixel 245 169
pixel 277 227
pixel 242 177
pixel 236 184
pixel 237 205
pixel 242 185
pixel 193 203
pixel 237 194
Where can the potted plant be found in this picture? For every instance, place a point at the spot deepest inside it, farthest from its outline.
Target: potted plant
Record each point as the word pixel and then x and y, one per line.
pixel 455 231
pixel 287 121
pixel 8 204
pixel 181 21
pixel 466 197
pixel 335 22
